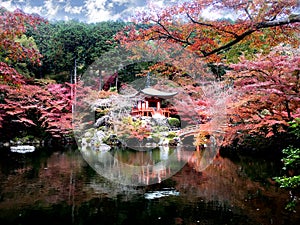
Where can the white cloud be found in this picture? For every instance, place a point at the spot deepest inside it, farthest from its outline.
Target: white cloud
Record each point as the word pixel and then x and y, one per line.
pixel 89 10
pixel 97 12
pixel 66 18
pixel 157 4
pixel 51 9
pixel 73 9
pixel 95 4
pixel 8 5
pixel 122 1
pixel 110 5
pixel 129 12
pixel 32 9
pixel 213 14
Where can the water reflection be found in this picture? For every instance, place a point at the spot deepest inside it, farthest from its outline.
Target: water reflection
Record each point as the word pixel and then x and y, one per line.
pixel 138 168
pixel 135 167
pixel 47 187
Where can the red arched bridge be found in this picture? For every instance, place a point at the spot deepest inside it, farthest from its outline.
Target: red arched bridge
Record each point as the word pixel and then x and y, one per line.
pixel 195 129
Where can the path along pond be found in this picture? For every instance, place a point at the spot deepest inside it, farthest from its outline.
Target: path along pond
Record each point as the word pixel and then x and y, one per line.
pixel 58 186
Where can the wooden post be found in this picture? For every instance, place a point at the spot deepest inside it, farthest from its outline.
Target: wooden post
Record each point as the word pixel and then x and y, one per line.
pixel 100 79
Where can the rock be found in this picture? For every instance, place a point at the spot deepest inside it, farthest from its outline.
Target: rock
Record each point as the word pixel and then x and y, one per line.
pixel 88 134
pixel 100 135
pixel 172 142
pixel 84 142
pixel 104 148
pixel 163 142
pixel 150 145
pixel 6 144
pixel 102 121
pixel 113 140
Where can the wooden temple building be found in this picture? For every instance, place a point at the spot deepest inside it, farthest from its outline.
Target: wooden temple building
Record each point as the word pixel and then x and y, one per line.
pixel 153 103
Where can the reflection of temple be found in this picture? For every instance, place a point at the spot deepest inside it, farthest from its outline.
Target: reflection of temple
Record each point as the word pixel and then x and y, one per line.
pixel 138 168
pixel 153 104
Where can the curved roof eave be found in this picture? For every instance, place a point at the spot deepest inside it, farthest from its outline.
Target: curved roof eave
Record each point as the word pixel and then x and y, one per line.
pixel 156 93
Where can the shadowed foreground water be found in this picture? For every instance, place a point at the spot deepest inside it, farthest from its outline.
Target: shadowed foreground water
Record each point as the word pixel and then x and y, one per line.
pixel 51 186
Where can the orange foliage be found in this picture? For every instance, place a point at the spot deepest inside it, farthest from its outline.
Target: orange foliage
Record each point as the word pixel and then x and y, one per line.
pixel 184 24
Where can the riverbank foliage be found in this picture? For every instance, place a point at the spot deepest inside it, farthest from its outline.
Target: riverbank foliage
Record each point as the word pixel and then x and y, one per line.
pixel 291 161
pixel 28 107
pixel 36 60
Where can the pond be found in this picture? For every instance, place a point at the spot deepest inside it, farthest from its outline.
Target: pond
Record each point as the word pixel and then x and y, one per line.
pixel 58 186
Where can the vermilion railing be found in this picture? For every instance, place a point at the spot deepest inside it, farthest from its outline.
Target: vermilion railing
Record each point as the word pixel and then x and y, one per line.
pixel 150 111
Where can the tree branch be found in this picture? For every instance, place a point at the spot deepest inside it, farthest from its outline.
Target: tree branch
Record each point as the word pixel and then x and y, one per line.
pixel 237 38
pixel 210 25
pixel 268 24
pixel 230 44
pixel 247 11
pixel 258 26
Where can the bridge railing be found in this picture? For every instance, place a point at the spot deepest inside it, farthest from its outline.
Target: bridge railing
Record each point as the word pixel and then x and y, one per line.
pixel 194 129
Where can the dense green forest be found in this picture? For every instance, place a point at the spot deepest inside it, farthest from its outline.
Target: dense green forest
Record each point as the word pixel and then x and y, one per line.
pixel 61 43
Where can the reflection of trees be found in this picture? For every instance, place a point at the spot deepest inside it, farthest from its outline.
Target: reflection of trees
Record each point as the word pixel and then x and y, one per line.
pixel 226 182
pixel 222 187
pixel 137 168
pixel 204 156
pixel 47 181
pixel 143 168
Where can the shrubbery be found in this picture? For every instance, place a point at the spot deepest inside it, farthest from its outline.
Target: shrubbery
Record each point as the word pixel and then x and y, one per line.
pixel 174 122
pixel 291 161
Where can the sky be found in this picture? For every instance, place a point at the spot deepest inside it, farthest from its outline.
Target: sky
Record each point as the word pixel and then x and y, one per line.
pixel 92 11
pixel 89 11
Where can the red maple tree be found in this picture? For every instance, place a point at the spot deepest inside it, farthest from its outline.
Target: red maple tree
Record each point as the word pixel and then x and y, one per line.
pixel 12 26
pixel 258 22
pixel 267 93
pixel 266 77
pixel 34 109
pixel 25 107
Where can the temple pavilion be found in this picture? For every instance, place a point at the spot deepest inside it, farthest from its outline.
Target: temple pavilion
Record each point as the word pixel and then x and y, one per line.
pixel 153 103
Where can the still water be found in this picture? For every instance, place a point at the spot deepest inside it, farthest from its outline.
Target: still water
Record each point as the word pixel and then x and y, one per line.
pixel 60 186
